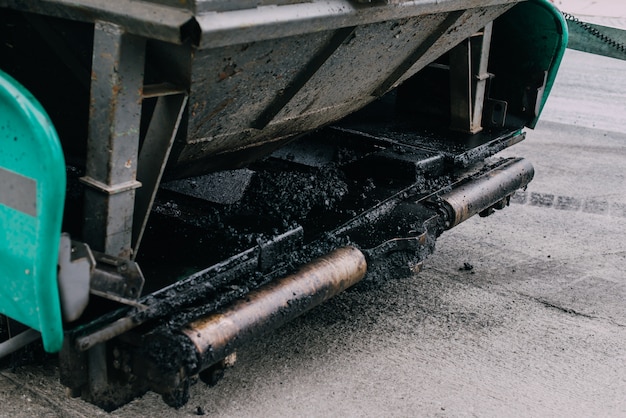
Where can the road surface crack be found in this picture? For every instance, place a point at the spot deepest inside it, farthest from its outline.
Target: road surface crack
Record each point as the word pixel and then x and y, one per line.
pixel 573 312
pixel 562 309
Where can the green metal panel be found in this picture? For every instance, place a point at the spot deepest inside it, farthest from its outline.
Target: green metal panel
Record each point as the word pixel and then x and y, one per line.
pixel 531 39
pixel 596 39
pixel 550 35
pixel 32 195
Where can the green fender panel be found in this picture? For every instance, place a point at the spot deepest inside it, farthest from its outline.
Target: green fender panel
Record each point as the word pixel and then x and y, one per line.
pixel 32 195
pixel 527 51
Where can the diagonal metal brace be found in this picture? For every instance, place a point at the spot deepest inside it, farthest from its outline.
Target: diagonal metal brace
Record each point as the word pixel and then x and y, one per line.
pixel 154 154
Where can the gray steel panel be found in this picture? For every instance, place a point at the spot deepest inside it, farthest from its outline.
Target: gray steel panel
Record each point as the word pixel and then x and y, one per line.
pixel 214 23
pixel 137 17
pixel 232 87
pixel 271 22
pixel 362 64
pixel 18 192
pixel 200 6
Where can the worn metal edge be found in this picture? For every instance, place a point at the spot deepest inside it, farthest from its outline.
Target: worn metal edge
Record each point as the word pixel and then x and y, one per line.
pixel 270 22
pixel 141 18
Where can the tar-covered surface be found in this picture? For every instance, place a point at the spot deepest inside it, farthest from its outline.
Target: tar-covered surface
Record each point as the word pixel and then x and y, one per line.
pixel 535 328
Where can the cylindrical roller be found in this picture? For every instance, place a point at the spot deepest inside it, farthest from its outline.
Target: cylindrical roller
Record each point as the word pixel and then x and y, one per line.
pixel 274 304
pixel 484 192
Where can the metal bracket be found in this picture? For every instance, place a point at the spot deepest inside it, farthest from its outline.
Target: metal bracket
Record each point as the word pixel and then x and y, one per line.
pixel 495 112
pixel 116 278
pixel 271 251
pixel 83 271
pixel 76 265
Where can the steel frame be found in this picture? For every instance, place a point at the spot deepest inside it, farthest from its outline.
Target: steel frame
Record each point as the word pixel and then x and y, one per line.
pixel 121 178
pixel 113 141
pixel 468 79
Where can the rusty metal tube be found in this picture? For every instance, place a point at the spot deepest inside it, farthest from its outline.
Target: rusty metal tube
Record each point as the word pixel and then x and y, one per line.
pixel 274 304
pixel 486 191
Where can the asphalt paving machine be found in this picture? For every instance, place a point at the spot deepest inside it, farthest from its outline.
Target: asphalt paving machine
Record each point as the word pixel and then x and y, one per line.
pixel 178 177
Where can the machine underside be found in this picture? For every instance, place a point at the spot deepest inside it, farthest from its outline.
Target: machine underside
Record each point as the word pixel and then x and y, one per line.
pixel 227 184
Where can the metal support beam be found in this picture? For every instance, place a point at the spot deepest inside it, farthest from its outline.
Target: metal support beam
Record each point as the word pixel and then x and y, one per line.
pixel 153 156
pixel 113 142
pixel 97 371
pixel 468 78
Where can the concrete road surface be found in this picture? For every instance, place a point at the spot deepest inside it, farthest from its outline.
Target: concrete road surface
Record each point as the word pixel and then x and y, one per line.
pixel 537 326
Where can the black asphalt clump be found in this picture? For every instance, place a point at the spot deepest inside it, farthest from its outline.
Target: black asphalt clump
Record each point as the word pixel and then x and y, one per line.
pixel 466 267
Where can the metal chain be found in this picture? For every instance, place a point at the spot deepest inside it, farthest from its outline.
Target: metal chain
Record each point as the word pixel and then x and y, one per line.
pixel 595 32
